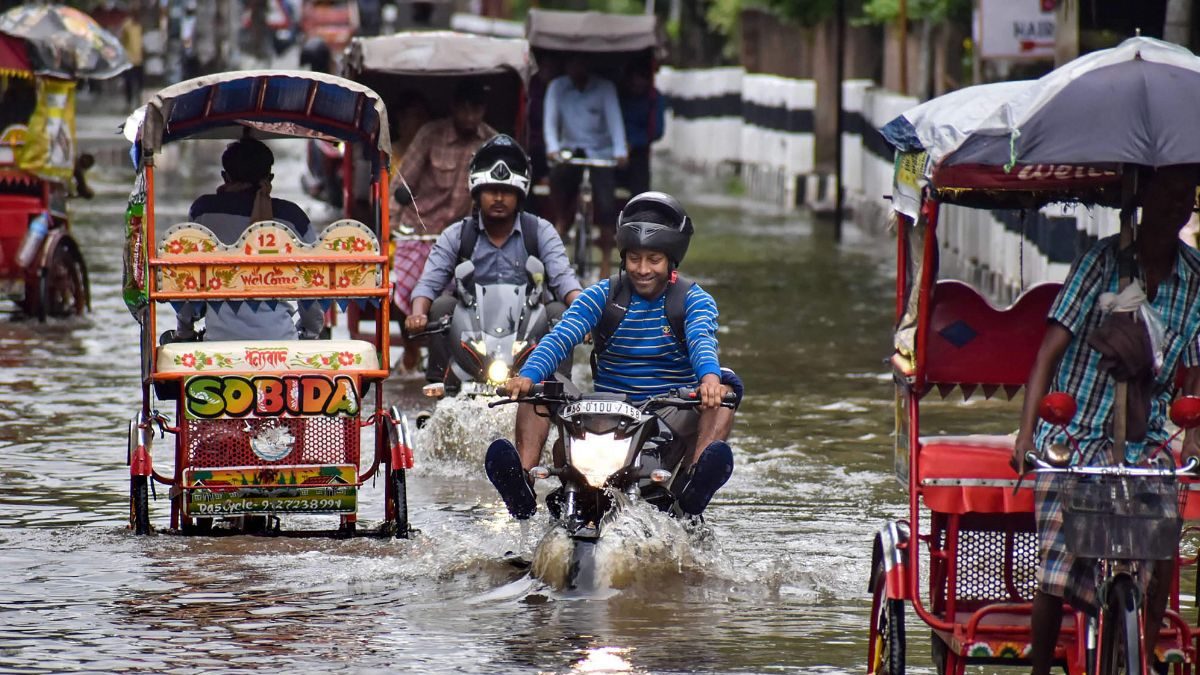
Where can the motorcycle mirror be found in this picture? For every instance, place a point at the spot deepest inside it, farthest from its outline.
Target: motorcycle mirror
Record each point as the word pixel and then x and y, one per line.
pixel 536 269
pixel 464 270
pixel 464 281
pixel 1185 412
pixel 1057 408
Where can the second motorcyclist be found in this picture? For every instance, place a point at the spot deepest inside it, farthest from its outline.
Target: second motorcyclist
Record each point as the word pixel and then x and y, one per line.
pixel 497 237
pixel 653 331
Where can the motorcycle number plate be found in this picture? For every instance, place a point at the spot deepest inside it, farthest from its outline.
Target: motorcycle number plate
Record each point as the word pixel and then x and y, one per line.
pixel 600 408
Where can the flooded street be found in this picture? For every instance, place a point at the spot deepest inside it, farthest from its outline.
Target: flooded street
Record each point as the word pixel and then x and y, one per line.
pixel 776 582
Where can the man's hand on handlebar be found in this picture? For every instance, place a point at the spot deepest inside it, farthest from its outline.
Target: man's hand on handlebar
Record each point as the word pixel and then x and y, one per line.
pixel 711 392
pixel 415 323
pixel 518 387
pixel 1021 447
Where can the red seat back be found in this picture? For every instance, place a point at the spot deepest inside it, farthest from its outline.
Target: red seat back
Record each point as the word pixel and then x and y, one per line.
pixel 970 343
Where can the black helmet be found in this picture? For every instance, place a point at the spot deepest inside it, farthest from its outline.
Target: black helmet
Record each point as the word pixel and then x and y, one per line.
pixel 655 221
pixel 499 161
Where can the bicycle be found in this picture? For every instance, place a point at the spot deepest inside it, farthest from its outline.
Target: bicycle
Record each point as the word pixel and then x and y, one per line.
pixel 1122 517
pixel 584 211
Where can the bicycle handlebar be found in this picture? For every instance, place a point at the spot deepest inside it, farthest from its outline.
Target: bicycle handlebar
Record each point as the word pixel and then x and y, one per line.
pixel 566 157
pixel 1042 466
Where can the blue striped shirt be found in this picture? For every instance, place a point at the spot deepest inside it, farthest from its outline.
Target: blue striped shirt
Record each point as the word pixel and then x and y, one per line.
pixel 1079 372
pixel 643 358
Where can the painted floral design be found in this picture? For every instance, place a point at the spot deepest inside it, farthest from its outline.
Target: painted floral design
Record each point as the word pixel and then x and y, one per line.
pixel 311 276
pixel 202 360
pixel 185 245
pixel 351 243
pixel 328 360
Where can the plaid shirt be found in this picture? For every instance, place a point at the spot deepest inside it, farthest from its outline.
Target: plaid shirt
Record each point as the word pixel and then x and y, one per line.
pixel 435 166
pixel 1080 375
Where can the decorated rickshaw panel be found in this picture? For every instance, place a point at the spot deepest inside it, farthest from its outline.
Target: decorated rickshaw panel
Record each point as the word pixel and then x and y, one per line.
pixel 271 443
pixel 266 256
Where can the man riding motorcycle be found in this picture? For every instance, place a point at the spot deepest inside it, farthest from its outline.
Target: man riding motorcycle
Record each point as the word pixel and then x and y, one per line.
pixel 653 331
pixel 497 237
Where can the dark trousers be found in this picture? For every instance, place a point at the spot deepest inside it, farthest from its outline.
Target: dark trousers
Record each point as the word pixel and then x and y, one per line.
pixel 564 188
pixel 636 176
pixel 438 367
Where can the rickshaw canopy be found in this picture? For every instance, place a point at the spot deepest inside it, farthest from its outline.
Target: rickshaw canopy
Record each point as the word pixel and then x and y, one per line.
pixel 14 61
pixel 590 31
pixel 438 53
pixel 269 103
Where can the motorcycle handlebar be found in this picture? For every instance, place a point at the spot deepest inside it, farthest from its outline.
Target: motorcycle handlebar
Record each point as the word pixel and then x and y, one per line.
pixel 440 326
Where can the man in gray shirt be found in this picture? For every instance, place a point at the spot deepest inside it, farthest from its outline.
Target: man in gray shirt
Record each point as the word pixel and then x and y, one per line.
pixel 499 182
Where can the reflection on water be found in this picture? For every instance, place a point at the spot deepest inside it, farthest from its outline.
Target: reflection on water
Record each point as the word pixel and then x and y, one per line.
pixel 775 581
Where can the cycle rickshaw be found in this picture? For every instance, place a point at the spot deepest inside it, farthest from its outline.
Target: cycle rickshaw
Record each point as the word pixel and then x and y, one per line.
pixel 964 559
pixel 618 47
pixel 43 50
pixel 263 428
pixel 417 73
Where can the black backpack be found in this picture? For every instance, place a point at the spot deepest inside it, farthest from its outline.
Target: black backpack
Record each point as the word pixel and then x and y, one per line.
pixel 470 235
pixel 618 304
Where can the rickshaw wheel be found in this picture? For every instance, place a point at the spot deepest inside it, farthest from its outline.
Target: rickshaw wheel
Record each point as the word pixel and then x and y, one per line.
pixel 139 504
pixel 62 287
pixel 888 628
pixel 399 502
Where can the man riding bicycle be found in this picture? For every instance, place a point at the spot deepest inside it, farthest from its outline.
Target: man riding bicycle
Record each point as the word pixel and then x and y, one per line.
pixel 582 116
pixel 1077 352
pixel 653 331
pixel 497 237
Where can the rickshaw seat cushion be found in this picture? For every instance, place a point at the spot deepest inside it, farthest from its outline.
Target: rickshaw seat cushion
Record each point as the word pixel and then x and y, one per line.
pixel 951 468
pixel 268 356
pixel 971 342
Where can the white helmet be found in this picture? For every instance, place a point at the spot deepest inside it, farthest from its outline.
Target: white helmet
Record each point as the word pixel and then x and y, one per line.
pixel 499 161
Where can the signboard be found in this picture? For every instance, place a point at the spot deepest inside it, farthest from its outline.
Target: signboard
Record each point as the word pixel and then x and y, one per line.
pixel 1014 29
pixel 288 489
pixel 212 397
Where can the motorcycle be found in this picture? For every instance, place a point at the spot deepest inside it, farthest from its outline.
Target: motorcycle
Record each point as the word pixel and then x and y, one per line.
pixel 492 330
pixel 610 453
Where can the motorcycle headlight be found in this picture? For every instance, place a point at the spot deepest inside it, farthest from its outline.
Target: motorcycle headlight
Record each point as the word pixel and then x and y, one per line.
pixel 497 372
pixel 479 346
pixel 598 456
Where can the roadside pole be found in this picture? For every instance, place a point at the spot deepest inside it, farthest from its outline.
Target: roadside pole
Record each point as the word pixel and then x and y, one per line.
pixel 839 193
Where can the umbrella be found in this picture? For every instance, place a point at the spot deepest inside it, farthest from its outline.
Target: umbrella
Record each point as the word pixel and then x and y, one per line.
pixel 65 42
pixel 1135 103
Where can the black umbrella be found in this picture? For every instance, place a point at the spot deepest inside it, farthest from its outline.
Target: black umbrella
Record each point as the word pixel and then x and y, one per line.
pixel 65 42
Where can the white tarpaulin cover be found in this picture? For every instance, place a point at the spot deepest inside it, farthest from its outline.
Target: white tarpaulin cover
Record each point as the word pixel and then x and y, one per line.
pixel 433 52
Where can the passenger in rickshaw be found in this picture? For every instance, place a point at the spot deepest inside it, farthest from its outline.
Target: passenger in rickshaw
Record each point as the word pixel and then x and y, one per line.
pixel 644 112
pixel 243 199
pixel 504 236
pixel 644 349
pixel 583 116
pixel 1070 359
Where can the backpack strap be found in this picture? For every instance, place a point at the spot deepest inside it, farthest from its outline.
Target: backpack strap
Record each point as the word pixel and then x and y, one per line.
pixel 618 304
pixel 468 237
pixel 529 232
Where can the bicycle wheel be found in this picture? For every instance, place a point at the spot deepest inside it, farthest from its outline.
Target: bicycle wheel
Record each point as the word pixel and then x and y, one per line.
pixel 1121 643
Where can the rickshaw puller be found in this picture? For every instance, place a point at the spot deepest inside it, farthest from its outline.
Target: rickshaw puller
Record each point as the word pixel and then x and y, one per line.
pixel 1170 274
pixel 653 236
pixel 243 199
pixel 498 182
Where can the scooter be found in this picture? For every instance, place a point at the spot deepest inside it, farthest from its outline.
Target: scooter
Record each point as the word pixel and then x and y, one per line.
pixel 492 330
pixel 610 453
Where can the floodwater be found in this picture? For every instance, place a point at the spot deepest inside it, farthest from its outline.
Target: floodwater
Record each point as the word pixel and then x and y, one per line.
pixel 775 581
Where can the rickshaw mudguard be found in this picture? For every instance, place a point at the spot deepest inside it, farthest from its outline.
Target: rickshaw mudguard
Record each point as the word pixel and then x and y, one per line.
pixel 891 548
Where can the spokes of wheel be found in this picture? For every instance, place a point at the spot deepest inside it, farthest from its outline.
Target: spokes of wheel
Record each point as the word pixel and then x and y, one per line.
pixel 139 504
pixel 887 629
pixel 63 284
